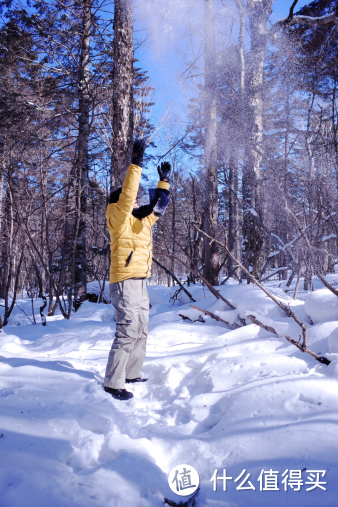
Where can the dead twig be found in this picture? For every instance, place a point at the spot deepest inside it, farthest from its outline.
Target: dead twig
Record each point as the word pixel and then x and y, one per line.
pixel 184 317
pixel 216 317
pixel 210 287
pixel 170 273
pixel 23 311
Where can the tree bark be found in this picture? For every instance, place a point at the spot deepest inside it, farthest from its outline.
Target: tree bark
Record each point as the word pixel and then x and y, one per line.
pixel 173 222
pixel 234 239
pixel 258 13
pixel 122 98
pixel 211 255
pixel 82 162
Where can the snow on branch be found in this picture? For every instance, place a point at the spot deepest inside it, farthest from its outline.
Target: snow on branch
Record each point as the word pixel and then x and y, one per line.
pixel 216 317
pixel 326 238
pixel 308 20
pixel 321 359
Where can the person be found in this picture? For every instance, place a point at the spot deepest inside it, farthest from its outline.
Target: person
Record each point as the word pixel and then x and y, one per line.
pixel 130 229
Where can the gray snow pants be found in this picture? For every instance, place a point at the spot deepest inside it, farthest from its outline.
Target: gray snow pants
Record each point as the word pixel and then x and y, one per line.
pixel 126 357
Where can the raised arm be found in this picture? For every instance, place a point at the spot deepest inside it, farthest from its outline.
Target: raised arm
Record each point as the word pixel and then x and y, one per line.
pixel 162 192
pixel 119 214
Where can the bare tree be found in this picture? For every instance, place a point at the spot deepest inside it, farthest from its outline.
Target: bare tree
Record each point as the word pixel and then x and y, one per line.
pixel 211 257
pixel 82 163
pixel 122 98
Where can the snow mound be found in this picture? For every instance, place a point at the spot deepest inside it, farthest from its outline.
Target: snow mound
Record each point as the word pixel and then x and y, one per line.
pixel 107 315
pixel 332 341
pixel 10 343
pixel 192 314
pixel 229 316
pixel 322 306
pixel 281 328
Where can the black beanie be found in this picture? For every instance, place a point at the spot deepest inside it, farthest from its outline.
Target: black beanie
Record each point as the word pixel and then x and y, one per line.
pixel 114 196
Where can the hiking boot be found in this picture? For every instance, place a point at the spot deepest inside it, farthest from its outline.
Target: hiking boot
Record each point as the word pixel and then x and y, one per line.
pixel 119 394
pixel 133 380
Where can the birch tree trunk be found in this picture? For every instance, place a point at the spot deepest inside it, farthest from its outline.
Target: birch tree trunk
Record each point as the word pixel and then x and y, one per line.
pixel 122 99
pixel 258 12
pixel 82 162
pixel 211 256
pixel 234 224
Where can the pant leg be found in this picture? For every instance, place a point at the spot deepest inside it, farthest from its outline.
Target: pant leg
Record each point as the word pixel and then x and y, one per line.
pixel 126 298
pixel 136 358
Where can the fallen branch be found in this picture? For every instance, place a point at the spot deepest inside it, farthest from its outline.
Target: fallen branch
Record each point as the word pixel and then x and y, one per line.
pixel 184 317
pixel 258 323
pixel 210 287
pixel 286 309
pixel 322 360
pixel 176 279
pixel 216 317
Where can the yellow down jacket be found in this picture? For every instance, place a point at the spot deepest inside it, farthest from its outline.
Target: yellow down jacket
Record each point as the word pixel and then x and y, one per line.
pixel 130 238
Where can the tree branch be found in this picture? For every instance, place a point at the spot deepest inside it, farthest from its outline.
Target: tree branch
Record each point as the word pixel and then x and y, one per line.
pixel 210 287
pixel 290 16
pixel 216 317
pixel 308 20
pixel 285 309
pixel 174 277
pixel 322 360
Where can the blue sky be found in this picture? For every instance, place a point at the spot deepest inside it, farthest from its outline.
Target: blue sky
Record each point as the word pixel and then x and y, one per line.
pixel 160 55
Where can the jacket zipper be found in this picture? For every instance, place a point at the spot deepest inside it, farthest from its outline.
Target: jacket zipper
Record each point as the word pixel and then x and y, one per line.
pixel 151 234
pixel 129 259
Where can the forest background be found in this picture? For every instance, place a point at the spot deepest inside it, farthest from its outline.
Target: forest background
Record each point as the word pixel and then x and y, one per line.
pixel 251 122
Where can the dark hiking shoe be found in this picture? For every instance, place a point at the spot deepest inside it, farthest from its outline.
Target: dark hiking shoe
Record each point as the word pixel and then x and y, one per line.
pixel 133 380
pixel 119 394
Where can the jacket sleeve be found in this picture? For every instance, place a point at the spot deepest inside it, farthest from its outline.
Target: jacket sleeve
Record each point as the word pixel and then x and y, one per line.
pixel 118 215
pixel 152 219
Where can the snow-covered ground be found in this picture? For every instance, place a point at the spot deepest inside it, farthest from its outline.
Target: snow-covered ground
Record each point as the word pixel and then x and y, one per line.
pixel 216 398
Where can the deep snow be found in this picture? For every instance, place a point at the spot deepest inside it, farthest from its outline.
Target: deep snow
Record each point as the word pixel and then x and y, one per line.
pixel 216 398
